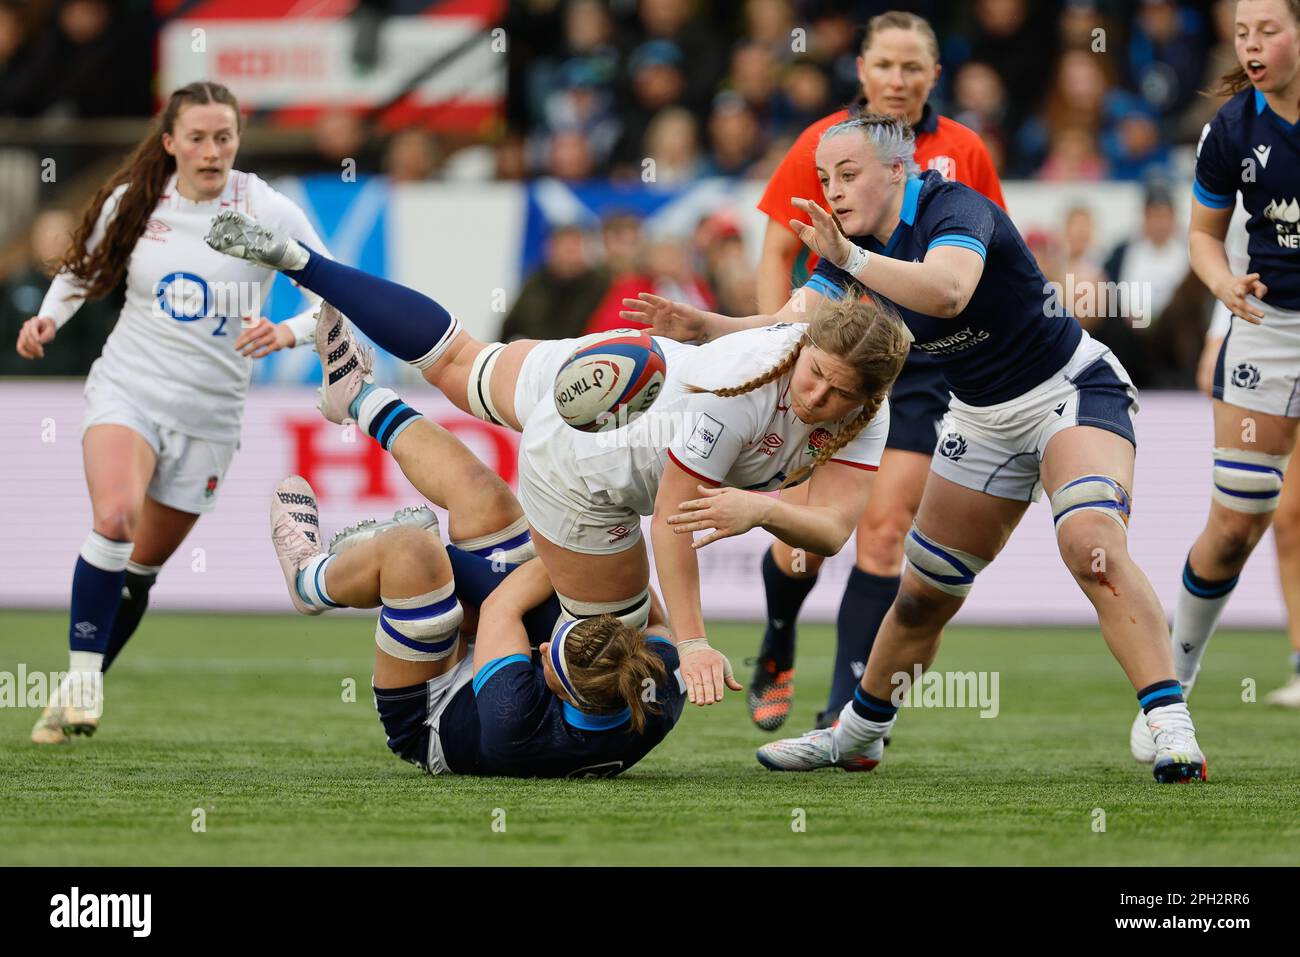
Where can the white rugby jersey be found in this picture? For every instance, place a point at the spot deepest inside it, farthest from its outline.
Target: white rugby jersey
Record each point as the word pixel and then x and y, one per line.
pixel 172 351
pixel 751 441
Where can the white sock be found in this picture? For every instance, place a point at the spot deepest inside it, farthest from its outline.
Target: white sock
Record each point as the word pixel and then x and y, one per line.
pixel 854 733
pixel 371 402
pixel 85 661
pixel 1195 619
pixel 311 582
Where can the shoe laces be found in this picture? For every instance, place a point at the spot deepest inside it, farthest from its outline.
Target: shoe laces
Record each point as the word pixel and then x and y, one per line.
pixel 291 542
pixel 1174 731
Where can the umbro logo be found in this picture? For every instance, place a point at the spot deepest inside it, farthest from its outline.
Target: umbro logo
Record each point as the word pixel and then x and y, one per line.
pixel 86 629
pixel 1187 648
pixel 1261 153
pixel 1060 409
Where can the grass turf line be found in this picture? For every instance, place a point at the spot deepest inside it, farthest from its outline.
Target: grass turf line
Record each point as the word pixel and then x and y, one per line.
pixel 244 717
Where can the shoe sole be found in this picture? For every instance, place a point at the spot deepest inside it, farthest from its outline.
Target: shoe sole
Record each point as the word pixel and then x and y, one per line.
pixel 867 765
pixel 1182 772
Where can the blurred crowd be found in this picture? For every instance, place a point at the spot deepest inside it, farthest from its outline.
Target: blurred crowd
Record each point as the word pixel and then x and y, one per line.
pixel 1057 89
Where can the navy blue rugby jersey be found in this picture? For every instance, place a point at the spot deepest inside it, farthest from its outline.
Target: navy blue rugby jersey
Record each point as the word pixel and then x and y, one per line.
pixel 508 722
pixel 1013 334
pixel 1248 148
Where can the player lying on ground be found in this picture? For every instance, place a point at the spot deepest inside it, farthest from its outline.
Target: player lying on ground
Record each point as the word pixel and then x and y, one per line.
pixel 1036 402
pixel 751 413
pixel 164 402
pixel 1257 375
pixel 598 696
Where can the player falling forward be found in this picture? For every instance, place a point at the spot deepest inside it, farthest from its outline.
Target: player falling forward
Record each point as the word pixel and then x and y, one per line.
pixel 752 413
pixel 165 400
pixel 598 696
pixel 898 68
pixel 1257 376
pixel 1036 403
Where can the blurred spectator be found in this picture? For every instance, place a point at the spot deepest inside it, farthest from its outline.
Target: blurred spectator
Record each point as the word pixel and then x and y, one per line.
pixel 668 264
pixel 79 342
pixel 678 22
pixel 625 267
pixel 588 30
pixel 658 77
pixel 1165 55
pixel 832 45
pixel 720 252
pixel 412 157
pixel 583 100
pixel 511 158
pixel 979 99
pixel 1081 270
pixel 1019 41
pixel 769 24
pixel 673 142
pixel 558 299
pixel 753 77
pixel 340 135
pixel 1074 158
pixel 1221 59
pixel 1157 257
pixel 568 156
pixel 1076 100
pixel 734 139
pixel 88 63
pixel 804 99
pixel 1079 21
pixel 1132 142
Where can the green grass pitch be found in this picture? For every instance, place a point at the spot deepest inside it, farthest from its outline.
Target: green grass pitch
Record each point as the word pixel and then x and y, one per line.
pixel 244 718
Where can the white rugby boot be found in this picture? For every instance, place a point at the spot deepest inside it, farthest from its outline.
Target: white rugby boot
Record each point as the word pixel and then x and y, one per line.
pixel 76 708
pixel 1140 742
pixel 815 750
pixel 295 532
pixel 243 237
pixel 1288 696
pixel 1178 757
pixel 346 365
pixel 417 516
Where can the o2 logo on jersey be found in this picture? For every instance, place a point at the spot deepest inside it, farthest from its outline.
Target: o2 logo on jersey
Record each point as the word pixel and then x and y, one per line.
pixel 1245 375
pixel 952 446
pixel 183 296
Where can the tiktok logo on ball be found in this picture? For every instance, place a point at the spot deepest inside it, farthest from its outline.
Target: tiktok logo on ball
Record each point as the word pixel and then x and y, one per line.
pixel 1245 376
pixel 952 446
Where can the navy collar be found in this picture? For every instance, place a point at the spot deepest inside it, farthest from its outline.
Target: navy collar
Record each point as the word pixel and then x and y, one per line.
pixel 906 218
pixel 594 722
pixel 1262 108
pixel 928 123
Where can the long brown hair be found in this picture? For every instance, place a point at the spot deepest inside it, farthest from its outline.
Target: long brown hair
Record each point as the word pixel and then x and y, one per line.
pixel 610 665
pixel 865 335
pixel 146 172
pixel 1234 81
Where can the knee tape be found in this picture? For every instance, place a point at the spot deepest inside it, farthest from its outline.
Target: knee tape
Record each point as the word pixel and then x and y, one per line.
pixel 634 611
pixel 1095 493
pixel 947 569
pixel 480 384
pixel 423 628
pixel 1248 482
pixel 512 544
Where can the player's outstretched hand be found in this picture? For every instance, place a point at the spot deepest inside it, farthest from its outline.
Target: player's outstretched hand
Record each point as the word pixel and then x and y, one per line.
pixel 672 320
pixel 723 511
pixel 1233 292
pixel 32 337
pixel 262 337
pixel 706 672
pixel 824 237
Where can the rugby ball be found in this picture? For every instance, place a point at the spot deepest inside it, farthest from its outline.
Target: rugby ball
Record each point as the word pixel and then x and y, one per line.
pixel 609 379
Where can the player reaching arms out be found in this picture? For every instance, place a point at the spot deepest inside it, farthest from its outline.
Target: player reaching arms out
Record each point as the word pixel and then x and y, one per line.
pixel 1036 404
pixel 769 408
pixel 165 400
pixel 898 67
pixel 580 709
pixel 1257 375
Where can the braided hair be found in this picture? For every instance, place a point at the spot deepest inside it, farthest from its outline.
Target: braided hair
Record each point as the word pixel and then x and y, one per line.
pixel 868 337
pixel 609 665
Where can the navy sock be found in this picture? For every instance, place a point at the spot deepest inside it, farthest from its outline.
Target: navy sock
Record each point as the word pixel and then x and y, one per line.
pixel 96 593
pixel 872 708
pixel 866 599
pixel 399 320
pixel 785 596
pixel 1203 587
pixel 476 577
pixel 1160 694
pixel 135 599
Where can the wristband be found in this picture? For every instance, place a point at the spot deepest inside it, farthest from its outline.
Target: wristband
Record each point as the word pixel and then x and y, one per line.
pixel 683 645
pixel 858 258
